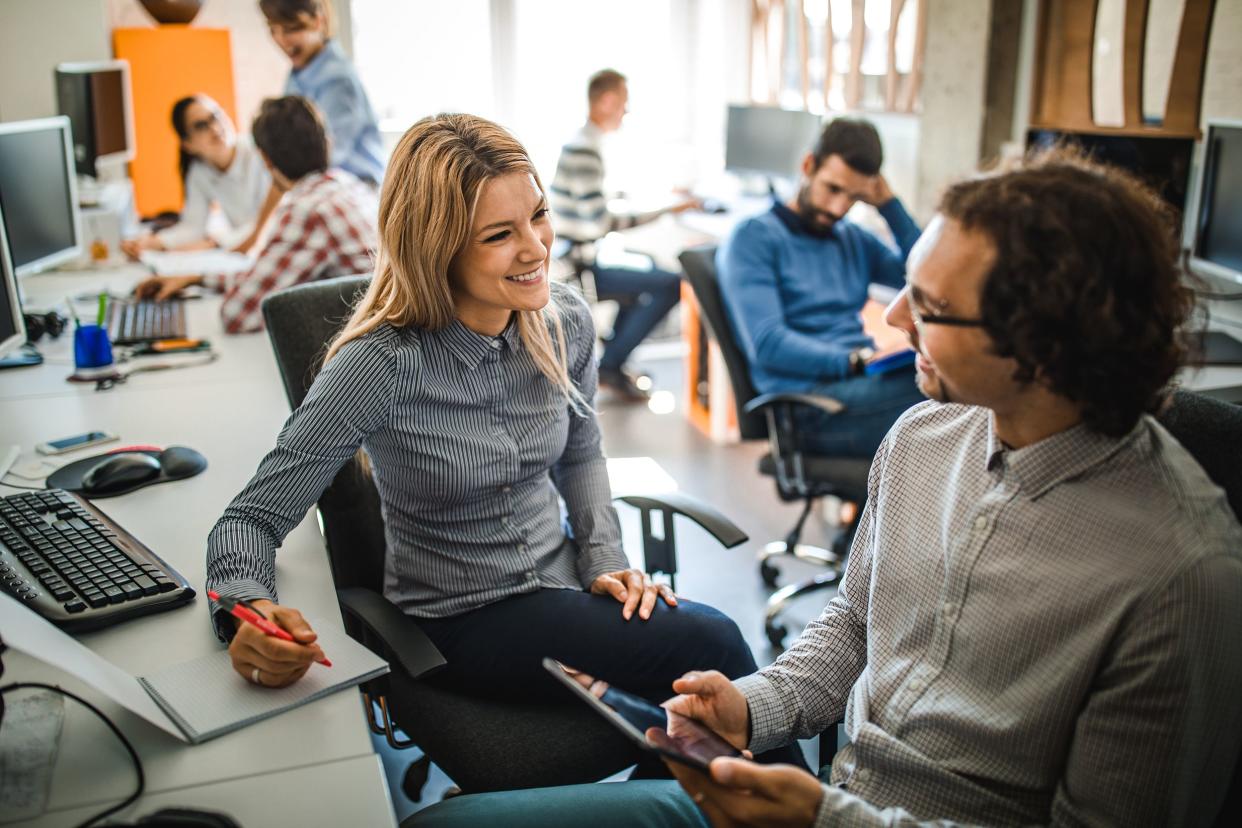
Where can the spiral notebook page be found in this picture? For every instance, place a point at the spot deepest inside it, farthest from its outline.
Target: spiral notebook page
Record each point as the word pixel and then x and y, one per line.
pixel 207 698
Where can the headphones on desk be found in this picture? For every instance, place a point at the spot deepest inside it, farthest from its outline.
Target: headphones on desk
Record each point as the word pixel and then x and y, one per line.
pixel 38 324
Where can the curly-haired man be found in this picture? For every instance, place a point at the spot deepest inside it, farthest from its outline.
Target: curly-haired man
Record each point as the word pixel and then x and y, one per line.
pixel 1038 623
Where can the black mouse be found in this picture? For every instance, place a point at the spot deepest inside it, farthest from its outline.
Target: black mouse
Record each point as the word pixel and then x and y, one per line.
pixel 119 472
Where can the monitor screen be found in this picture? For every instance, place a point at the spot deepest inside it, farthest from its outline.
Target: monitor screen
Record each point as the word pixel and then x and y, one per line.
pixel 1216 247
pixel 96 99
pixel 1162 163
pixel 38 193
pixel 12 330
pixel 768 140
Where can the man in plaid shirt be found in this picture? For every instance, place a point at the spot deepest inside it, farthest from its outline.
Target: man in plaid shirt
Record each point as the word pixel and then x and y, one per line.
pixel 324 226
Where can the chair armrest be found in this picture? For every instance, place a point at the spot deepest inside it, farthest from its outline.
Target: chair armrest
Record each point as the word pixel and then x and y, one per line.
pixel 827 404
pixel 725 531
pixel 399 638
pixel 660 552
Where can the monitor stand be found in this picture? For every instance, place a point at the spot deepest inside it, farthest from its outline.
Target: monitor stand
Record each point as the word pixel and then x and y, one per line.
pixel 23 357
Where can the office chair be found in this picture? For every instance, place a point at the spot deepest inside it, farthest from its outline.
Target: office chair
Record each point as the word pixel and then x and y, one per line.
pixel 1211 430
pixel 798 475
pixel 482 744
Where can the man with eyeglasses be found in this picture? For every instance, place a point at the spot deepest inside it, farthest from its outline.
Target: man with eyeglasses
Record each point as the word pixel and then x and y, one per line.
pixel 794 280
pixel 1038 624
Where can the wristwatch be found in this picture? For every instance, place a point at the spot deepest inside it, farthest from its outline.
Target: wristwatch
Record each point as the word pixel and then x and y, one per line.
pixel 859 357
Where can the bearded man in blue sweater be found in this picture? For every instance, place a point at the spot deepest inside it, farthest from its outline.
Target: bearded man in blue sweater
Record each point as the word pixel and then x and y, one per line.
pixel 795 278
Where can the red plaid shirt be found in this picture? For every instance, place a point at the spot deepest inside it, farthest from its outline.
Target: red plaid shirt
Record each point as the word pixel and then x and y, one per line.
pixel 323 227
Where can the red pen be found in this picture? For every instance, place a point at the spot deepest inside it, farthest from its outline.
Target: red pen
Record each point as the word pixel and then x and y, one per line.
pixel 242 610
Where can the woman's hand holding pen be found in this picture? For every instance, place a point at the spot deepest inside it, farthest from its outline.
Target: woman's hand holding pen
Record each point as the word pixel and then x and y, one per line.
pixel 634 589
pixel 271 662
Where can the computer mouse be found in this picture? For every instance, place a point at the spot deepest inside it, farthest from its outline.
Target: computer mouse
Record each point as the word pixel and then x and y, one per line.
pixel 119 472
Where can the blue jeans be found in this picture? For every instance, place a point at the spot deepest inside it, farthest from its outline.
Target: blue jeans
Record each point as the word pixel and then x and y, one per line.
pixel 649 803
pixel 872 405
pixel 645 297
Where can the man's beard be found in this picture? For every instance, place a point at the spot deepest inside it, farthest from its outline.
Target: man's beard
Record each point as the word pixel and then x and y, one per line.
pixel 807 213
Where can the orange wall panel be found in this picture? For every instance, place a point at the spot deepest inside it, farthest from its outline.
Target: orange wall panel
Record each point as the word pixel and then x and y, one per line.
pixel 167 63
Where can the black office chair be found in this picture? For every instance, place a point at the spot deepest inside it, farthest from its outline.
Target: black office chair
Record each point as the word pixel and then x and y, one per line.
pixel 798 474
pixel 482 744
pixel 1211 430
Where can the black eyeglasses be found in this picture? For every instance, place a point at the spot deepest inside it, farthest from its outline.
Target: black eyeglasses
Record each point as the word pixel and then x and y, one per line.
pixel 204 124
pixel 920 318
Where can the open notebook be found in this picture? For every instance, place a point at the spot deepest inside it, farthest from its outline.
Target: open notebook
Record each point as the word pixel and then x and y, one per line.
pixel 195 700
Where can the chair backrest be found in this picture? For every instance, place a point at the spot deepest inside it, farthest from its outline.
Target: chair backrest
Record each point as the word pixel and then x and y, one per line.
pixel 699 264
pixel 1211 431
pixel 300 322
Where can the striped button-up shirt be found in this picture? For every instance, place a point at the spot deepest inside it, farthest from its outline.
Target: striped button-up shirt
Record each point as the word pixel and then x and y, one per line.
pixel 471 446
pixel 323 227
pixel 1049 635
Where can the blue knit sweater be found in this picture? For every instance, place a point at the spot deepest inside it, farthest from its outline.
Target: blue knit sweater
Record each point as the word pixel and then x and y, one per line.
pixel 793 299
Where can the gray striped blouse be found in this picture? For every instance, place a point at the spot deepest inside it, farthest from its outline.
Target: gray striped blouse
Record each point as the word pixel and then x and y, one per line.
pixel 471 446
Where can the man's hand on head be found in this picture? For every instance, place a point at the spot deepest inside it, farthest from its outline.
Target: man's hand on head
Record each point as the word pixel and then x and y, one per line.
pixel 879 194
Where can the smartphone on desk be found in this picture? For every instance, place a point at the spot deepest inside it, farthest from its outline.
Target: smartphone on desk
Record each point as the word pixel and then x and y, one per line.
pixel 77 441
pixel 672 735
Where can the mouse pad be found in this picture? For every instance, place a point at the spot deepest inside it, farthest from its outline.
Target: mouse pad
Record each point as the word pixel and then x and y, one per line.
pixel 176 463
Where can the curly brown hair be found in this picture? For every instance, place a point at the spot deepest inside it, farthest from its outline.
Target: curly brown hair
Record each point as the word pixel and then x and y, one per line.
pixel 1086 293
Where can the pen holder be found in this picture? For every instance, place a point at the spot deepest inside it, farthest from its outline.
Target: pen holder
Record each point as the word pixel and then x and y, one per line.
pixel 91 348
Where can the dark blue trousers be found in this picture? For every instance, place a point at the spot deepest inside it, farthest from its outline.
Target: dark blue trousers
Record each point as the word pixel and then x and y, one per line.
pixel 645 296
pixel 503 644
pixel 872 405
pixel 499 648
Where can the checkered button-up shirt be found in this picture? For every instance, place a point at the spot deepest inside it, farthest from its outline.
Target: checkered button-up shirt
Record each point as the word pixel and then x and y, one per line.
pixel 323 227
pixel 1048 635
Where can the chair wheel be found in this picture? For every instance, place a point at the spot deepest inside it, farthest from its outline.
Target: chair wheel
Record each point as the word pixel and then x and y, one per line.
pixel 415 778
pixel 776 635
pixel 769 573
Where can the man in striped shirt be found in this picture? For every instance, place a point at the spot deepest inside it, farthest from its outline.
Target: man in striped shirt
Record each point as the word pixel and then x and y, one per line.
pixel 581 215
pixel 324 225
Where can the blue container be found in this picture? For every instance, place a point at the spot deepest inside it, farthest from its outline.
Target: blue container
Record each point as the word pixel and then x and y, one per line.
pixel 91 348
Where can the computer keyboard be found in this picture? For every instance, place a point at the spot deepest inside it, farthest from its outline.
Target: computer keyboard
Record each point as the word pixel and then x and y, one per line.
pixel 76 567
pixel 131 321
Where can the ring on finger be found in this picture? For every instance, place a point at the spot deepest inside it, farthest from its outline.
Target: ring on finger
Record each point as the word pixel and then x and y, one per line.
pixel 254 676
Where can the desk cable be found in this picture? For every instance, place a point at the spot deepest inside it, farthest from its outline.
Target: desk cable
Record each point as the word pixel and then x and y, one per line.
pixel 31 685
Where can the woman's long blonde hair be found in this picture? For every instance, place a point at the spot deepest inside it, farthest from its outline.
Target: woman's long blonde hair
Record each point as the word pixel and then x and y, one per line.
pixel 426 210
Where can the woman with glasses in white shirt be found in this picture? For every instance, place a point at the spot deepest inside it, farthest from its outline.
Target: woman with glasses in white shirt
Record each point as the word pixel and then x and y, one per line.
pixel 217 166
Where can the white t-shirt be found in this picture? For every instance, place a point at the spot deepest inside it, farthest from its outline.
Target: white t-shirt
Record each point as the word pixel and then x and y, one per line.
pixel 239 191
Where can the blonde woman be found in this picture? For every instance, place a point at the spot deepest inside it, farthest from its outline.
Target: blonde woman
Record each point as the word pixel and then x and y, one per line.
pixel 468 380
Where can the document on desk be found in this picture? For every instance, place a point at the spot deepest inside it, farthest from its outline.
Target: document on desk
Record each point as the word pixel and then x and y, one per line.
pixel 195 700
pixel 182 262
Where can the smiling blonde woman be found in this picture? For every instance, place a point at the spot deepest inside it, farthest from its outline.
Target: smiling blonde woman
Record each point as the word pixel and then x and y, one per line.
pixel 468 380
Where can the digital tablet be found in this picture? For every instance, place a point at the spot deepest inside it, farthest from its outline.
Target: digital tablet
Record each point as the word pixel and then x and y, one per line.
pixel 671 735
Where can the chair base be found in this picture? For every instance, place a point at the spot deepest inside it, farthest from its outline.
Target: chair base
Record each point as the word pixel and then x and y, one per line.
pixel 802 551
pixel 775 631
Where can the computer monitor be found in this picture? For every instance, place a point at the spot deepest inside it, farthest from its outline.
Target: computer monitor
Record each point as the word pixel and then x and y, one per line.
pixel 1216 229
pixel 12 326
pixel 768 140
pixel 97 100
pixel 39 193
pixel 1161 162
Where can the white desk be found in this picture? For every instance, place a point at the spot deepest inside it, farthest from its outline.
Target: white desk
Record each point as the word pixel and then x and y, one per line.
pixel 311 766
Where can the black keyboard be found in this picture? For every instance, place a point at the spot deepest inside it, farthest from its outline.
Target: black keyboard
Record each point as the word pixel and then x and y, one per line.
pixel 76 567
pixel 131 321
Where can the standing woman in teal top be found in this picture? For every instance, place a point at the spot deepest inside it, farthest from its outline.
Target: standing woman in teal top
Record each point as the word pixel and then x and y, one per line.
pixel 323 74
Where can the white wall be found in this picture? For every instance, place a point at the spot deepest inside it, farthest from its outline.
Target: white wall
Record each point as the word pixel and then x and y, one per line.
pixel 35 35
pixel 954 93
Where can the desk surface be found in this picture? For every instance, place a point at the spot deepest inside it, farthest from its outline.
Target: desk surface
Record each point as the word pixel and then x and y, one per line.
pixel 231 412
